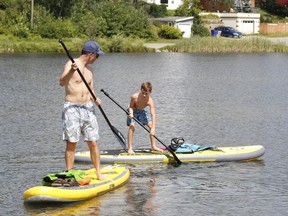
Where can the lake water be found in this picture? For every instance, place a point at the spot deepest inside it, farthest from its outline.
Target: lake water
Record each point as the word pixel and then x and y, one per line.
pixel 215 99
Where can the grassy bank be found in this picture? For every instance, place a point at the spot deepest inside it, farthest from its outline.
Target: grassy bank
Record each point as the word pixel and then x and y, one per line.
pixel 120 44
pixel 227 45
pixel 39 45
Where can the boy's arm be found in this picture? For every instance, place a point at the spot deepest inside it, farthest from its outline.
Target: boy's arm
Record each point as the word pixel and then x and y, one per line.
pixel 153 116
pixel 131 107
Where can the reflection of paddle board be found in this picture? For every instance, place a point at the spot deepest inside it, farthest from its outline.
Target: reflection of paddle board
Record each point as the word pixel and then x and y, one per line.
pixel 239 153
pixel 115 176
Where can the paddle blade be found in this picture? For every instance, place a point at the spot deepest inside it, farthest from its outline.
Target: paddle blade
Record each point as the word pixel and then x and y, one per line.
pixel 119 136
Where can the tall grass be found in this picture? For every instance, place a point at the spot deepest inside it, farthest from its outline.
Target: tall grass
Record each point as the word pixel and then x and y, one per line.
pixel 39 45
pixel 122 44
pixel 226 45
pixel 118 44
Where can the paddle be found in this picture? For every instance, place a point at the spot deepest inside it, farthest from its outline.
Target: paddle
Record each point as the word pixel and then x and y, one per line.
pixel 119 136
pixel 170 150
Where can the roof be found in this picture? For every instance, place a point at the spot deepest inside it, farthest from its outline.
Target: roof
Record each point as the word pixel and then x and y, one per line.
pixel 173 19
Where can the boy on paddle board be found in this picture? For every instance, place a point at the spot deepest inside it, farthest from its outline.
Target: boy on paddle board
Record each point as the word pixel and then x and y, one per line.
pixel 78 115
pixel 140 103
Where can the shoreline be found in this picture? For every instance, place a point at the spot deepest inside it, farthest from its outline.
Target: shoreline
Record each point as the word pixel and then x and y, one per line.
pixel 194 44
pixel 272 39
pixel 158 46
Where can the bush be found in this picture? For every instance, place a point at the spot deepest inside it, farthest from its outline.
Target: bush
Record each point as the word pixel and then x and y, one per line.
pixel 20 30
pixel 115 44
pixel 152 32
pixel 170 13
pixel 170 32
pixel 200 30
pixel 119 43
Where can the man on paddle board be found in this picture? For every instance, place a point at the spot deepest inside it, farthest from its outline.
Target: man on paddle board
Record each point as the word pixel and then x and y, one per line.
pixel 140 103
pixel 78 113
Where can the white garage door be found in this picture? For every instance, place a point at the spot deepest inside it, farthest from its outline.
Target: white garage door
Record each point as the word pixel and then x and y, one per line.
pixel 186 28
pixel 248 26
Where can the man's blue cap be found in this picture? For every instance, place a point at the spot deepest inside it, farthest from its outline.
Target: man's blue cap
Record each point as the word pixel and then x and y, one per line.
pixel 93 47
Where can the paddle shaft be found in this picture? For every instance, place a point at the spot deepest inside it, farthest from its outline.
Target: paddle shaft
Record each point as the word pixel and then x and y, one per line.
pixel 117 133
pixel 175 157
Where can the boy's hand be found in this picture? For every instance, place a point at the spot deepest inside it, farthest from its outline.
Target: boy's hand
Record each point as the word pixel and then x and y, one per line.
pixel 130 115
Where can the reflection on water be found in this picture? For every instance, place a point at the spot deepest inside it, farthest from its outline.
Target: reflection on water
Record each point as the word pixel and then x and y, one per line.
pixel 220 100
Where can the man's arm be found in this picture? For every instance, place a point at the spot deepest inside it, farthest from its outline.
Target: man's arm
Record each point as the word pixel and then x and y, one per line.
pixel 97 101
pixel 67 73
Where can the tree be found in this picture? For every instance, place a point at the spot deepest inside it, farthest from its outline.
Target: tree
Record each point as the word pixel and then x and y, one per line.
pixel 190 8
pixel 108 18
pixel 184 9
pixel 57 8
pixel 15 17
pixel 282 3
pixel 276 7
pixel 157 10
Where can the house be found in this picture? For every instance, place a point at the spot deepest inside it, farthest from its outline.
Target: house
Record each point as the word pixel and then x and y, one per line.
pixel 170 4
pixel 184 24
pixel 247 23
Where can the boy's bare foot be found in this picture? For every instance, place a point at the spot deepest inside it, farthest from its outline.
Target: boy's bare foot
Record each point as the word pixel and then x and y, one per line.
pixel 131 152
pixel 157 149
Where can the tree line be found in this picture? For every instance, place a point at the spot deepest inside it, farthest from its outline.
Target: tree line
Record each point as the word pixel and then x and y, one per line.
pixel 97 18
pixel 73 18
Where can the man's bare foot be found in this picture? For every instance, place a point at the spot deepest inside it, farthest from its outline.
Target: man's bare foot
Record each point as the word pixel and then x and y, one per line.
pixel 100 177
pixel 157 149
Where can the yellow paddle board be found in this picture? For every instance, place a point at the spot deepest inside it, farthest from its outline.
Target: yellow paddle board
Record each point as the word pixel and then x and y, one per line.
pixel 115 176
pixel 219 154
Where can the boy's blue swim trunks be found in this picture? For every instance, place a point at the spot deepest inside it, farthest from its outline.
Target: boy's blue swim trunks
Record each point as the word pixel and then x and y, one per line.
pixel 143 116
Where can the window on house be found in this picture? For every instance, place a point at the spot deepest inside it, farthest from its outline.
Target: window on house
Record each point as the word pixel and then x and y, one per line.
pixel 164 1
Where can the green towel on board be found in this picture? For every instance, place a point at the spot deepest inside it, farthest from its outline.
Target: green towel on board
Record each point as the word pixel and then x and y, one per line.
pixel 50 178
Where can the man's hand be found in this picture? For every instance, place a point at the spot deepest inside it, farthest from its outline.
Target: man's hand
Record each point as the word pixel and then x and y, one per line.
pixel 73 67
pixel 97 101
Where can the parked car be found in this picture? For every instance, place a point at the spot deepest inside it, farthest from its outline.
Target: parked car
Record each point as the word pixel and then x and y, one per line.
pixel 227 31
